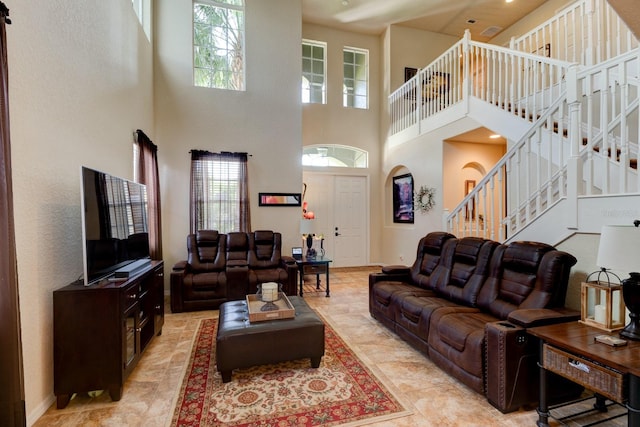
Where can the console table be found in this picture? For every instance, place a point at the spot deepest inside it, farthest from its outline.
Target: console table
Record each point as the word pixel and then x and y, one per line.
pixel 317 265
pixel 570 350
pixel 100 331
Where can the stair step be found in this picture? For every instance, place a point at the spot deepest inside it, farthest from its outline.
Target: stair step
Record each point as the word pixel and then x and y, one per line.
pixel 633 163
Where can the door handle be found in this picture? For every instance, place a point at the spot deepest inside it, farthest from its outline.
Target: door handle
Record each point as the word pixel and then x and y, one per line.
pixel 337 234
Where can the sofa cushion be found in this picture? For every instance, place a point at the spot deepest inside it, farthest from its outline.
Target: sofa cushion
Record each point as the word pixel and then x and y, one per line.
pixel 206 251
pixel 414 313
pixel 237 246
pixel 456 343
pixel 463 267
pixel 427 258
pixel 264 249
pixel 525 275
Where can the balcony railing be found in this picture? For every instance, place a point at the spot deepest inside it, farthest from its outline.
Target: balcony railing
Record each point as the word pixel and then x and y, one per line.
pixel 584 120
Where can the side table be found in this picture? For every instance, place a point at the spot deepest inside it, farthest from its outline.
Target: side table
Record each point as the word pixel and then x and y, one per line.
pixel 317 265
pixel 570 350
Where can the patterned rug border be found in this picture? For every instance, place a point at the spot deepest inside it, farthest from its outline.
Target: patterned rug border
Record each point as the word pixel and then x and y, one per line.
pixel 365 361
pixel 375 371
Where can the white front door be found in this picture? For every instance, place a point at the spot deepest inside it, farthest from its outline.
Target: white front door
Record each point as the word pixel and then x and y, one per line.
pixel 339 203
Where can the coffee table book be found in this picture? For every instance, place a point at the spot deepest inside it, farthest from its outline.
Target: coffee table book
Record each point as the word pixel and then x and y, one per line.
pixel 285 309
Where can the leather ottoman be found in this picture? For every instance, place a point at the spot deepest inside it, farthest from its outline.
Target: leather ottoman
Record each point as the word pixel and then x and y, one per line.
pixel 241 344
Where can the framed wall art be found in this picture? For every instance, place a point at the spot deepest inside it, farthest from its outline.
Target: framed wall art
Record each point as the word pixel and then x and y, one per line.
pixel 435 86
pixel 403 198
pixel 279 199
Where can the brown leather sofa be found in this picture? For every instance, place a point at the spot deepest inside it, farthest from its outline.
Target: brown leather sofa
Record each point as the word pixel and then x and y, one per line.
pixel 466 304
pixel 227 267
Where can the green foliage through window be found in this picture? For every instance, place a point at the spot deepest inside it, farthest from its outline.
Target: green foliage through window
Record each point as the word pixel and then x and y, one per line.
pixel 218 44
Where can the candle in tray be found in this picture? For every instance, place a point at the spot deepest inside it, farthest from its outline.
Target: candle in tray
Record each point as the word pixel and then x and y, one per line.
pixel 269 291
pixel 599 313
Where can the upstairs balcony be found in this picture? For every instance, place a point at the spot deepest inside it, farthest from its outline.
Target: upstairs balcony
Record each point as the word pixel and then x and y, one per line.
pixel 572 126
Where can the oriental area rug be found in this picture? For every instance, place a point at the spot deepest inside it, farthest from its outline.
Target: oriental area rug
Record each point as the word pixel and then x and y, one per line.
pixel 342 391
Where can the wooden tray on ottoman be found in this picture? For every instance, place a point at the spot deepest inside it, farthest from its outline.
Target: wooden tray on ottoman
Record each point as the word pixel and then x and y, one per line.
pixel 285 309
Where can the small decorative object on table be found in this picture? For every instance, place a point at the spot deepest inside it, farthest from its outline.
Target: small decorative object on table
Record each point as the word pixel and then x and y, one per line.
pixel 602 306
pixel 618 251
pixel 256 305
pixel 269 293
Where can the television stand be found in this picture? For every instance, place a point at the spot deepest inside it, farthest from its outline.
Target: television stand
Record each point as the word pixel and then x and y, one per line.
pixel 100 331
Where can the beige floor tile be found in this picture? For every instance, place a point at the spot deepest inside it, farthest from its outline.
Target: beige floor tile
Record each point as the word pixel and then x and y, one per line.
pixel 435 398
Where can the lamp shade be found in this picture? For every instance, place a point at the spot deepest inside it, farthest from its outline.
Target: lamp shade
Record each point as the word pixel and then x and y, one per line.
pixel 618 250
pixel 307 226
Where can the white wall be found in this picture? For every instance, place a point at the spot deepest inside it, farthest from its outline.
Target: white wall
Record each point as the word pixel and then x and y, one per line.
pixel 546 11
pixel 410 47
pixel 459 160
pixel 265 120
pixel 407 47
pixel 331 123
pixel 80 84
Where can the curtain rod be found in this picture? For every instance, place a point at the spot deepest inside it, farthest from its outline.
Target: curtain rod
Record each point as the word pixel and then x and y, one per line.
pixel 4 12
pixel 222 152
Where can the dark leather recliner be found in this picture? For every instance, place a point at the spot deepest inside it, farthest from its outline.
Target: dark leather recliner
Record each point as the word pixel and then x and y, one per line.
pixel 266 263
pixel 200 282
pixel 228 267
pixel 470 312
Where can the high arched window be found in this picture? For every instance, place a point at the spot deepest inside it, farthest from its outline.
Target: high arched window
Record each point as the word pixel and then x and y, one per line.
pixel 333 155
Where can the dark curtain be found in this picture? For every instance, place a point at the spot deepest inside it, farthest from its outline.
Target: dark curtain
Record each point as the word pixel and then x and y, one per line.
pixel 12 405
pixel 219 196
pixel 148 175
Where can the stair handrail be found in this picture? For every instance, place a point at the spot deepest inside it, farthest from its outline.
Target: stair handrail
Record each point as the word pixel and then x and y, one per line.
pixel 521 82
pixel 494 227
pixel 597 31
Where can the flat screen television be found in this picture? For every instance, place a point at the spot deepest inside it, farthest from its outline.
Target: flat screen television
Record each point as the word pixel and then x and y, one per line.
pixel 115 228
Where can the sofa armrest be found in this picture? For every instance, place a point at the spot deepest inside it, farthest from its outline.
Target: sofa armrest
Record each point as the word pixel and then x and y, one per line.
pixel 175 286
pixel 288 260
pixel 531 317
pixel 396 277
pixel 180 266
pixel 396 269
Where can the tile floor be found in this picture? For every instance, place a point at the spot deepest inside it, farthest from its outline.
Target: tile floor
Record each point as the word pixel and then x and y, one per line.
pixel 435 398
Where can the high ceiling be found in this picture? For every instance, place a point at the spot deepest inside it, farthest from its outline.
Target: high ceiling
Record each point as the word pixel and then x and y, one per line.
pixel 450 17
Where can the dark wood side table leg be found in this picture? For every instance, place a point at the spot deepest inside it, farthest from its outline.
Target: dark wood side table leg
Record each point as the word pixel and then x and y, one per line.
pixel 327 281
pixel 543 409
pixel 633 405
pixel 300 271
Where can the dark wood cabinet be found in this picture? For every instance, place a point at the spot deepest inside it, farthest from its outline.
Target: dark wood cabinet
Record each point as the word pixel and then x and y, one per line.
pixel 100 331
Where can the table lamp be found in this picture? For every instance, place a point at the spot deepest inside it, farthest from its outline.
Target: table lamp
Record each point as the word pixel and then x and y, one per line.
pixel 618 251
pixel 307 229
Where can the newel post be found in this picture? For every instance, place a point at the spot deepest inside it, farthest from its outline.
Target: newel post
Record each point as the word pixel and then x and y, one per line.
pixel 574 165
pixel 466 80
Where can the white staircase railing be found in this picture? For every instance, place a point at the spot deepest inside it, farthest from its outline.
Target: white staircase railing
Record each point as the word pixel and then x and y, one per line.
pixel 593 126
pixel 520 83
pixel 583 140
pixel 587 32
pixel 521 186
pixel 607 138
